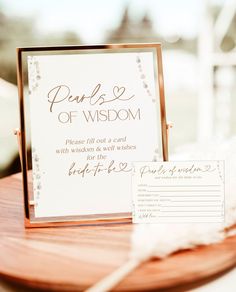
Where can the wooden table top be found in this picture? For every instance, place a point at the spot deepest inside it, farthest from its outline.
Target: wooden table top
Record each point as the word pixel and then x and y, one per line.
pixel 74 258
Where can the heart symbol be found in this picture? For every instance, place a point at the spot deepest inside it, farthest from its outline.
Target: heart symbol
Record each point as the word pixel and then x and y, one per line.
pixel 124 167
pixel 118 91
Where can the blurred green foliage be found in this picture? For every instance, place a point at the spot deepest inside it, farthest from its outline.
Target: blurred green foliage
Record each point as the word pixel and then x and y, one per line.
pixel 21 32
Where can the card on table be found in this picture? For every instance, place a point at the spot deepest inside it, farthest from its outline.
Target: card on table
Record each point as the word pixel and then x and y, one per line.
pixel 179 191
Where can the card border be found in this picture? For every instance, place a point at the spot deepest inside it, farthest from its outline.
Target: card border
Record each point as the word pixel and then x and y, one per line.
pixel 185 161
pixel 28 203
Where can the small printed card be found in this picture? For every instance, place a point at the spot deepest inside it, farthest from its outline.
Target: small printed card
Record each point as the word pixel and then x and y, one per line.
pixel 183 191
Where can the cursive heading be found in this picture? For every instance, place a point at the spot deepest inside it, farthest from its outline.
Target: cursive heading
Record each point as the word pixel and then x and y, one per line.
pixel 163 170
pixel 62 93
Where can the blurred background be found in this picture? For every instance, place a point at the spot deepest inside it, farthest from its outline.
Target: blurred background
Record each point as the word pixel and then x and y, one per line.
pixel 199 57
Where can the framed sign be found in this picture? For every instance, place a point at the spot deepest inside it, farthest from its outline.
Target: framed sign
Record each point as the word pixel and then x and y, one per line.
pixel 86 113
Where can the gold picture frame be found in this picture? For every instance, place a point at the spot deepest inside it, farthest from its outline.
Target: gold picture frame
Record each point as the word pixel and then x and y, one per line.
pixel 30 220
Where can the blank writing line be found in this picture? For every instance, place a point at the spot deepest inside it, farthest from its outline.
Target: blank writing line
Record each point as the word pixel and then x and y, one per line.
pixel 189 211
pixel 176 191
pixel 197 201
pixel 173 186
pixel 190 216
pixel 176 206
pixel 189 196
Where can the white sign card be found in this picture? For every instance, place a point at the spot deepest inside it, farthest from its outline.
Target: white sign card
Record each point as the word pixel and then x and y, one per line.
pixel 179 191
pixel 92 113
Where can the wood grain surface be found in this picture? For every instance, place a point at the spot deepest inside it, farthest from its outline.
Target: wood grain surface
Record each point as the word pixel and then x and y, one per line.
pixel 74 258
